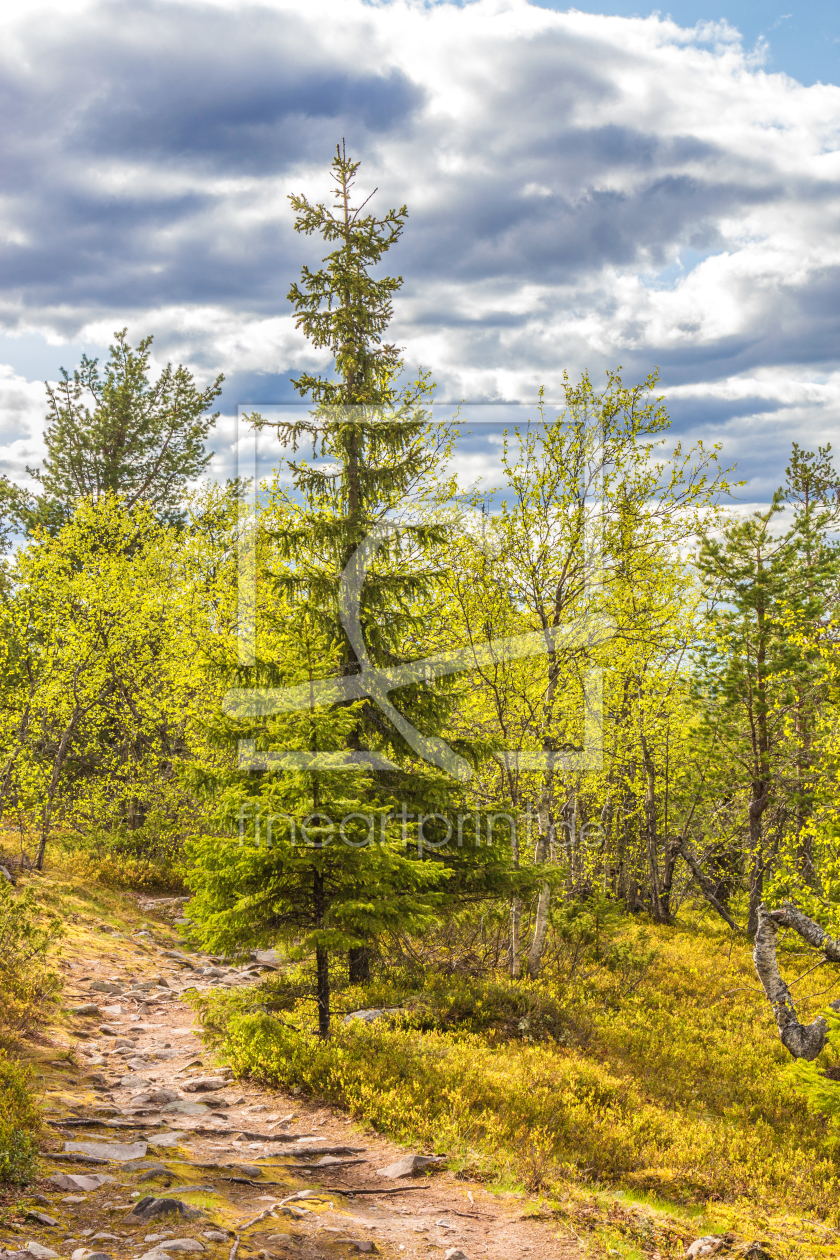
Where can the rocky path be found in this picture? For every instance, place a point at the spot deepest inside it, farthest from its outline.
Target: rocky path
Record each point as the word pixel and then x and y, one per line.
pixel 158 1151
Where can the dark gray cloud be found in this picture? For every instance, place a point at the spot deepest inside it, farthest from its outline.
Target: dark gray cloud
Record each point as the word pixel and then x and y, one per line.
pixel 558 168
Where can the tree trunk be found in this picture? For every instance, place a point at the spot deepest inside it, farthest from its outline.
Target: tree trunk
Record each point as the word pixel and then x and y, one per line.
pixel 706 885
pixel 52 787
pixel 758 804
pixel 540 931
pixel 515 937
pixel 358 964
pixel 544 846
pixel 650 829
pixel 322 960
pixel 803 1041
pixel 672 852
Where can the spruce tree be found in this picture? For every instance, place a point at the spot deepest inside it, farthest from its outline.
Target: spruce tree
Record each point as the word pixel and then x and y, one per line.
pixel 348 874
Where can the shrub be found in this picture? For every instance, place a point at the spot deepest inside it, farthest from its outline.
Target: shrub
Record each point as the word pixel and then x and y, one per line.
pixel 20 1122
pixel 26 938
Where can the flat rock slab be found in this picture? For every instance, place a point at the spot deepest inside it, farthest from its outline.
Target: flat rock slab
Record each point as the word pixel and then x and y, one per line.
pixel 41 1218
pixel 118 1151
pixel 79 1181
pixel 199 1084
pixel 87 1008
pixel 75 1158
pixel 39 1251
pixel 183 1107
pixel 410 1166
pixel 135 1082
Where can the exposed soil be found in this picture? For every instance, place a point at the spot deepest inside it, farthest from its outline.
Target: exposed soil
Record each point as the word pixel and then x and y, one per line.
pixel 218 1132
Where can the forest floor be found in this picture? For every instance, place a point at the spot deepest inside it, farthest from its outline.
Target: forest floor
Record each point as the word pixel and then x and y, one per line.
pixel 735 1154
pixel 228 1152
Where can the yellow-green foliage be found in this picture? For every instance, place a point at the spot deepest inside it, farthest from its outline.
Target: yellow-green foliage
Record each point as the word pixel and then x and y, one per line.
pixel 26 937
pixel 682 1091
pixel 20 1121
pixel 113 869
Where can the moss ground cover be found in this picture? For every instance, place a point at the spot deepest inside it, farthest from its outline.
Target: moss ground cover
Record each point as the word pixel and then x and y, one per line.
pixel 676 1093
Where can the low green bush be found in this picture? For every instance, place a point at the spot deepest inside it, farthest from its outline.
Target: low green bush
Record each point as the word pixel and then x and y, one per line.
pixel 27 936
pixel 20 1122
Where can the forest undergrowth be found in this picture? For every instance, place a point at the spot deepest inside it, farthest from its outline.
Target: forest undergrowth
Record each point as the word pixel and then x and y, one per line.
pixel 660 1083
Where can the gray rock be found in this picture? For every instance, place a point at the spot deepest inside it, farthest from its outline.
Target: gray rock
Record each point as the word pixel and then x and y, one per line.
pixel 133 1081
pixel 184 1244
pixel 454 1253
pixel 215 1235
pixel 267 957
pixel 368 1017
pixel 118 1151
pixel 76 1158
pixel 149 1208
pixel 39 1251
pixel 87 1008
pixel 200 1084
pixel 250 1170
pixel 409 1166
pixel 105 986
pixel 79 1181
pixel 156 1096
pixel 41 1218
pixel 168 1139
pixel 705 1246
pixel 186 1108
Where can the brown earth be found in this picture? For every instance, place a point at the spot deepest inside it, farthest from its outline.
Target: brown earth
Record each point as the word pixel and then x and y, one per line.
pixel 223 1129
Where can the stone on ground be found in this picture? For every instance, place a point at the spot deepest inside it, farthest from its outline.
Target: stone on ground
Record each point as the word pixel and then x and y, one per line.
pixel 118 1151
pixel 409 1166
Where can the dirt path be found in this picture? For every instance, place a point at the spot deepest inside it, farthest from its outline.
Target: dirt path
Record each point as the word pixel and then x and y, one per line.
pixel 231 1151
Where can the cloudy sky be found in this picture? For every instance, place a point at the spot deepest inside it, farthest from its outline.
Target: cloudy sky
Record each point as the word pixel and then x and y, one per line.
pixel 585 189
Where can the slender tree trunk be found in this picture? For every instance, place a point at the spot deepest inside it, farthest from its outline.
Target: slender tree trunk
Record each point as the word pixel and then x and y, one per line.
pixel 358 964
pixel 758 804
pixel 651 836
pixel 672 852
pixel 543 907
pixel 515 915
pixel 322 960
pixel 706 884
pixel 58 763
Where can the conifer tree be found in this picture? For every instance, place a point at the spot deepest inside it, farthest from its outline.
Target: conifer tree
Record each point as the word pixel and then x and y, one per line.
pixel 348 589
pixel 119 433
